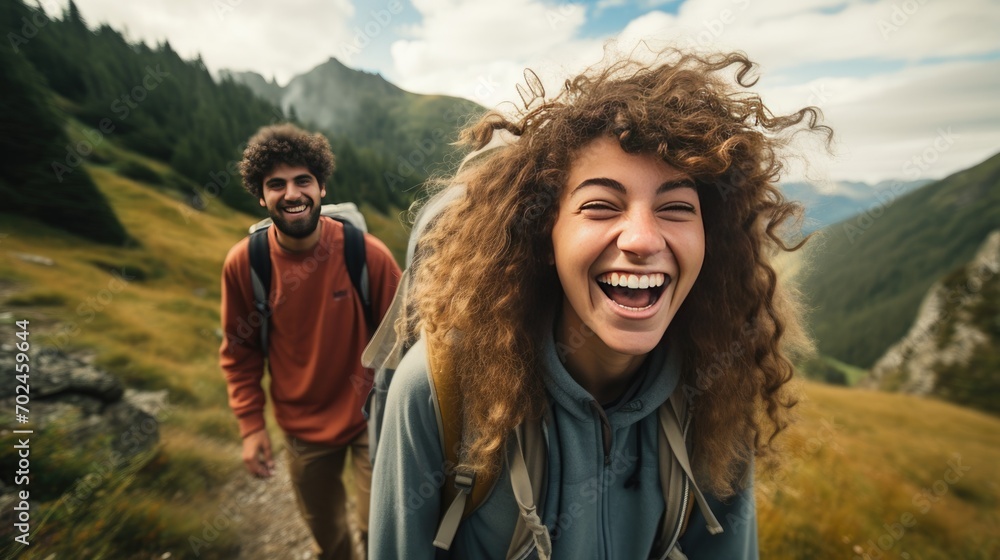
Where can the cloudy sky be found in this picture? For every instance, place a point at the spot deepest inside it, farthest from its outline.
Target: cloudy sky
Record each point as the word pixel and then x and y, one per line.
pixel 911 87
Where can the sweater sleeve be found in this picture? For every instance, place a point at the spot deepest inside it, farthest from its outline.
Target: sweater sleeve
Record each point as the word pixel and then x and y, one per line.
pixel 738 516
pixel 240 356
pixel 408 472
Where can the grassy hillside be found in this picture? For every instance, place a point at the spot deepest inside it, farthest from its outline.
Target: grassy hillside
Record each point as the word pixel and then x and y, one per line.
pixel 158 332
pixel 870 272
pixel 860 461
pixel 155 333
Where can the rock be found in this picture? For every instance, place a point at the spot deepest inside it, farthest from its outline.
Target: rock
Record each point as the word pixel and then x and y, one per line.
pixel 53 372
pixel 910 365
pixel 36 259
pixel 89 405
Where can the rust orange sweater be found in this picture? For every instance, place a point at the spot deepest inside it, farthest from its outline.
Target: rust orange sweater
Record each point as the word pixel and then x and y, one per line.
pixel 317 334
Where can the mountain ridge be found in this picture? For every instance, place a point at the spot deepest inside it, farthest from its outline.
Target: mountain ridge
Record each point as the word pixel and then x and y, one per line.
pixel 825 206
pixel 414 131
pixel 869 273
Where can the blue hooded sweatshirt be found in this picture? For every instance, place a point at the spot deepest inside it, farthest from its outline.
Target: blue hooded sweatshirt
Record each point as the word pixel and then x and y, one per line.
pixel 592 452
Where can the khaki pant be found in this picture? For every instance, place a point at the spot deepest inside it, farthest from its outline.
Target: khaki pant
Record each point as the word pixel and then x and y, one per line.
pixel 316 471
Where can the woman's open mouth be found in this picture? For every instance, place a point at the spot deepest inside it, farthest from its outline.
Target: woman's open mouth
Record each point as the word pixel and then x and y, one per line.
pixel 634 292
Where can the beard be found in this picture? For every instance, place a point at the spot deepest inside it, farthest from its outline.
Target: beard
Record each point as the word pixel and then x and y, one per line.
pixel 301 227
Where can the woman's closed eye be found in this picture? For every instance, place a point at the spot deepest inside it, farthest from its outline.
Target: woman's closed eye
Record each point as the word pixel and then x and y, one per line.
pixel 677 208
pixel 599 209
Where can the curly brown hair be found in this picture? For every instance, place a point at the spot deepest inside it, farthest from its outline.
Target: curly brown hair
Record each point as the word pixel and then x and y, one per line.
pixel 494 243
pixel 284 144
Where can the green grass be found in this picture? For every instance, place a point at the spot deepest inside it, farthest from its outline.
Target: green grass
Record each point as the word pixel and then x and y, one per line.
pixel 853 374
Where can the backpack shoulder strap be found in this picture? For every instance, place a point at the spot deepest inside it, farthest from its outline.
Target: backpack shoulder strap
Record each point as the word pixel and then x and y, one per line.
pixel 357 268
pixel 676 477
pixel 461 491
pixel 527 461
pixel 260 277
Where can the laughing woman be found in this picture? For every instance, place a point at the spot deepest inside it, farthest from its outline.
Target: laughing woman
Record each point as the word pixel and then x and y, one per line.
pixel 605 333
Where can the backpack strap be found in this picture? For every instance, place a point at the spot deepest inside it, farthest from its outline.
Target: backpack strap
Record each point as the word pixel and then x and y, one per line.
pixel 355 256
pixel 526 462
pixel 357 268
pixel 260 277
pixel 461 490
pixel 677 479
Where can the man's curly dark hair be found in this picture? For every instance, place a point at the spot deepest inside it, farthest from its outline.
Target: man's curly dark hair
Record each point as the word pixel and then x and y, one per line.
pixel 284 144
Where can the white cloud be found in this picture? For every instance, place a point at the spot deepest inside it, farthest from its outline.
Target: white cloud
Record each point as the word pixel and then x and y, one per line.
pixel 943 115
pixel 475 51
pixel 275 40
pixel 782 35
pixel 478 50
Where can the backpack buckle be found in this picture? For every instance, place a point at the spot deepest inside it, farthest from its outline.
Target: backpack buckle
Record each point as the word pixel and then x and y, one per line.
pixel 465 479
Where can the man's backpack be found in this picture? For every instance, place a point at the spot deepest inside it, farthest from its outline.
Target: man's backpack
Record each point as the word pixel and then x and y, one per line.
pixel 462 493
pixel 354 255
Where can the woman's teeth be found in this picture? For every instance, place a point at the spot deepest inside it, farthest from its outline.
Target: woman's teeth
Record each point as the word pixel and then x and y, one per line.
pixel 633 281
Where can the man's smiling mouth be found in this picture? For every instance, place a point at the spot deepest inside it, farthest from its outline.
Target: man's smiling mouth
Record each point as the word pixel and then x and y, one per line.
pixel 634 292
pixel 295 209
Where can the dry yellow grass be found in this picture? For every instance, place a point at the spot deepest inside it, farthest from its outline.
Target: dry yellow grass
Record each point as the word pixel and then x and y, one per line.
pixel 887 475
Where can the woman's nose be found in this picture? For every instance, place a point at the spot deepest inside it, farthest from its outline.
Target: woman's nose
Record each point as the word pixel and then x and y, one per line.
pixel 641 235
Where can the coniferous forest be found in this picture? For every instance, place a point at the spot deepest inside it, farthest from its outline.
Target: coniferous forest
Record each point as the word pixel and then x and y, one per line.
pixel 148 99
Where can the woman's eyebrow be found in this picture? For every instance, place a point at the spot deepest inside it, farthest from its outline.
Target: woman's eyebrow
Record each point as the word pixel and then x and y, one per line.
pixel 670 185
pixel 682 183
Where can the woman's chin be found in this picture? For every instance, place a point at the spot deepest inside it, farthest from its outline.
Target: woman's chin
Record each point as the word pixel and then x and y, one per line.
pixel 631 343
